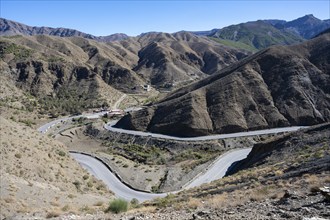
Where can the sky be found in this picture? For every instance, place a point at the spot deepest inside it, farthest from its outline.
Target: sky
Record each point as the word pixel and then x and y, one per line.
pixel 133 17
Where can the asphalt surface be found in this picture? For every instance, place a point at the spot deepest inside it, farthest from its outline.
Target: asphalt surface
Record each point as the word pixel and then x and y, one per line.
pixel 219 168
pixel 214 172
pixel 100 171
pixel 109 126
pixel 43 129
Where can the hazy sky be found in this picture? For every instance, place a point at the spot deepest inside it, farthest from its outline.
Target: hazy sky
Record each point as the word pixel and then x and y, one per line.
pixel 106 17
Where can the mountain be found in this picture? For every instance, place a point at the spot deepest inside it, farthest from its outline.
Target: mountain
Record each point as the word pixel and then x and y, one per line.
pixel 97 72
pixel 170 60
pixel 66 73
pixel 10 28
pixel 278 86
pixel 256 35
pixel 307 26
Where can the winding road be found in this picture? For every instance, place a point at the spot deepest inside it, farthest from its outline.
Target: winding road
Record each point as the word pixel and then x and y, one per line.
pixel 215 171
pixel 100 171
pixel 109 126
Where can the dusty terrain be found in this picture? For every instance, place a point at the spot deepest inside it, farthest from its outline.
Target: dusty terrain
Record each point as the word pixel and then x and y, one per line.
pixel 290 183
pixel 38 175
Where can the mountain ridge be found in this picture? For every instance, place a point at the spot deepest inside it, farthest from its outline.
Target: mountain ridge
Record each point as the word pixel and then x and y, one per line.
pixel 10 28
pixel 255 93
pixel 263 33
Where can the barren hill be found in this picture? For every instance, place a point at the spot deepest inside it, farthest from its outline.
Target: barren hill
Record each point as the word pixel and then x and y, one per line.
pixel 167 60
pixel 279 86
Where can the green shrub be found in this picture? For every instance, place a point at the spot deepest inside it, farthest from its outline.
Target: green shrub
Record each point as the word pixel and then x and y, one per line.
pixel 61 153
pixel 134 203
pixel 18 155
pixel 77 184
pixel 165 201
pixel 117 206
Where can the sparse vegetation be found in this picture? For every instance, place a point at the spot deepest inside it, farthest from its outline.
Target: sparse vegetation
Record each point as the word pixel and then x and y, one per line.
pixel 170 199
pixel 61 153
pixel 20 52
pixel 18 155
pixel 117 206
pixel 27 122
pixel 235 44
pixel 134 203
pixel 142 154
pixel 69 101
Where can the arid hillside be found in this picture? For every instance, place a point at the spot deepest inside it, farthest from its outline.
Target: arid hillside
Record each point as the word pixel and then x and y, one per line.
pixel 11 28
pixel 276 87
pixel 38 175
pixel 172 60
pixel 95 74
pixel 285 177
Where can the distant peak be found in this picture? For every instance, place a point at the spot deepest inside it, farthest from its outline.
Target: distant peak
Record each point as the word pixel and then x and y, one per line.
pixel 310 16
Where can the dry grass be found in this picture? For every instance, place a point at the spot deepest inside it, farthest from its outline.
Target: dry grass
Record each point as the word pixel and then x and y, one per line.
pixel 41 178
pixel 218 201
pixel 193 203
pixel 143 209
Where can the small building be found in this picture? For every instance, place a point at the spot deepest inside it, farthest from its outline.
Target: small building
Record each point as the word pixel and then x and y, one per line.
pixel 115 112
pixel 147 87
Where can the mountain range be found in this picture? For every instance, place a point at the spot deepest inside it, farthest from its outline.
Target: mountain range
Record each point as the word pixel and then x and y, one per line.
pixel 278 86
pixel 251 36
pixel 10 28
pixel 256 35
pixel 75 63
pixel 49 65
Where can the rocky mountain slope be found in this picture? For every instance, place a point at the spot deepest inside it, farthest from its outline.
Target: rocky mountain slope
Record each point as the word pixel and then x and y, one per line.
pixel 257 34
pixel 11 28
pixel 261 34
pixel 88 71
pixel 278 86
pixel 310 146
pixel 55 69
pixel 307 26
pixel 167 61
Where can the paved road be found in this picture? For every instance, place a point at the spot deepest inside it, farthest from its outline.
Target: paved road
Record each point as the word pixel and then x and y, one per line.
pixel 99 170
pixel 43 129
pixel 109 126
pixel 216 171
pixel 219 167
